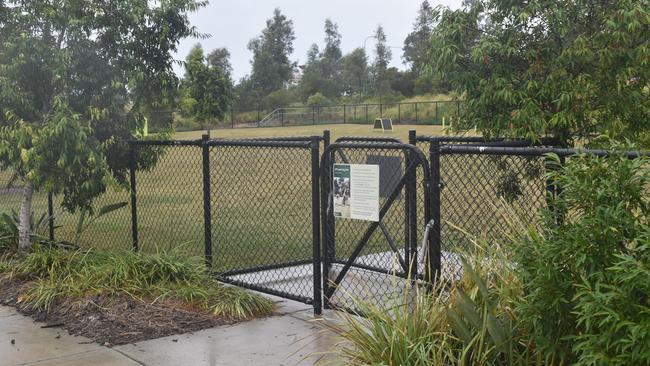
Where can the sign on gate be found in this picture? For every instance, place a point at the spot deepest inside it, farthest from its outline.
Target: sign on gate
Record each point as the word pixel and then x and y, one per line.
pixel 356 191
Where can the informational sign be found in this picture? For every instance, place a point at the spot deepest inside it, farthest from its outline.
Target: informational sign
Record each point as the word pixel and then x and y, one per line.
pixel 356 191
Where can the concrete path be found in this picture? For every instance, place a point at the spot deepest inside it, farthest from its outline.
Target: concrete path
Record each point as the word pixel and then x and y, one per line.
pixel 291 338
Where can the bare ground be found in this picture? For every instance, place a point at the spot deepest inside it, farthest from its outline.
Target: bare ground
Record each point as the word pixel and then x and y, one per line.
pixel 114 321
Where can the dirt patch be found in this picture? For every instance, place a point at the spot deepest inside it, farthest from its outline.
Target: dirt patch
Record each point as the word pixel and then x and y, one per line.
pixel 115 321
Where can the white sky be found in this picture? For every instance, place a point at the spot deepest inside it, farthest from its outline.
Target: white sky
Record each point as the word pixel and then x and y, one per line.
pixel 233 23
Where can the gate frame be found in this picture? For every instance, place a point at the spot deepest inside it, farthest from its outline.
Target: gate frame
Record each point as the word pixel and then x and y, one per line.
pixel 327 214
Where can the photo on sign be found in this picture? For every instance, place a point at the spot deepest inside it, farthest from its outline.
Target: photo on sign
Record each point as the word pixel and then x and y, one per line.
pixel 356 191
pixel 342 190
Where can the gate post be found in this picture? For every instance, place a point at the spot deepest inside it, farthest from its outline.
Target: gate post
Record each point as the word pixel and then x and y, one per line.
pixel 433 270
pixel 315 213
pixel 134 201
pixel 207 204
pixel 410 230
pixel 327 221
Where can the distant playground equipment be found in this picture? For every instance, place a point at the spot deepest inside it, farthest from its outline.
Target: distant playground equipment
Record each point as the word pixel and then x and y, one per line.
pixel 384 124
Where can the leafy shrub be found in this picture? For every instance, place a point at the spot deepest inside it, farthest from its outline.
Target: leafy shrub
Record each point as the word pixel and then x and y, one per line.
pixel 587 279
pixel 317 99
pixel 9 224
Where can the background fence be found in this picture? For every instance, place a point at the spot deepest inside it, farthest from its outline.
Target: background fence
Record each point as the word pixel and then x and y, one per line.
pixel 413 113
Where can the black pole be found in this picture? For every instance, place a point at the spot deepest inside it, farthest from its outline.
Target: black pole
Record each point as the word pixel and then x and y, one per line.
pixel 207 203
pixel 50 215
pixel 433 270
pixel 416 112
pixel 437 120
pixel 366 113
pixel 344 110
pixel 327 230
pixel 355 113
pixel 313 115
pixel 134 201
pixel 411 212
pixel 232 117
pixel 399 113
pixel 315 216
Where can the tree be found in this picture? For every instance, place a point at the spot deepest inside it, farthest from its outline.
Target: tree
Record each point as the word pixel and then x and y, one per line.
pixel 312 80
pixel 272 68
pixel 415 44
pixel 322 73
pixel 355 72
pixel 74 79
pixel 383 56
pixel 208 84
pixel 332 54
pixel 541 67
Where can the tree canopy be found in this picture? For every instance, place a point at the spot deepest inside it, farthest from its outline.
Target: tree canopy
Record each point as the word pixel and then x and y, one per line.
pixel 74 79
pixel 272 68
pixel 383 56
pixel 207 88
pixel 566 69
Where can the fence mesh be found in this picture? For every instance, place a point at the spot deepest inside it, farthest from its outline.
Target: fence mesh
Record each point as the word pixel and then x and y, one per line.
pixel 388 249
pixel 483 196
pixel 170 201
pixel 262 217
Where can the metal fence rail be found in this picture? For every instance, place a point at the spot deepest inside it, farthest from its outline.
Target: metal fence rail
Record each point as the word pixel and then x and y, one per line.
pixel 442 112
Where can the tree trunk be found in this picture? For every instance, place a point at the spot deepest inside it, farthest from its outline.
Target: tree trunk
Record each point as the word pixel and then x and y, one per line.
pixel 24 227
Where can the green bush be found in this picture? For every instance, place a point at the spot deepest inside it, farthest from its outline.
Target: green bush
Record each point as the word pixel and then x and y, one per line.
pixel 587 280
pixel 317 99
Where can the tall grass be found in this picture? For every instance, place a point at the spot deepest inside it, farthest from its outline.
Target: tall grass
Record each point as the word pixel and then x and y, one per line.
pixel 57 274
pixel 472 323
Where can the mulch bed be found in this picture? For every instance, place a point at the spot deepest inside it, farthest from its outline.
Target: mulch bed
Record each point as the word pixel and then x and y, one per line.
pixel 115 321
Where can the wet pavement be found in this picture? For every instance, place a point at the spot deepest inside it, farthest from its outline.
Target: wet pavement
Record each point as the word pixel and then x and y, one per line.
pixel 292 337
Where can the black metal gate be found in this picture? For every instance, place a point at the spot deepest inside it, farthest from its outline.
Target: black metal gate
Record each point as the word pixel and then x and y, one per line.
pixel 374 261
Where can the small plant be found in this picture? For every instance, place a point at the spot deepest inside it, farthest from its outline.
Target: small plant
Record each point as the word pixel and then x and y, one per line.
pixel 9 223
pixel 87 218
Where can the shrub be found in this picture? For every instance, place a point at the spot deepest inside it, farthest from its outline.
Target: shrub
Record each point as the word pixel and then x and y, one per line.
pixel 317 99
pixel 587 280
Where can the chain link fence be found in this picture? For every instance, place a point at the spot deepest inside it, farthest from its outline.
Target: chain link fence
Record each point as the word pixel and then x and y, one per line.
pixel 255 209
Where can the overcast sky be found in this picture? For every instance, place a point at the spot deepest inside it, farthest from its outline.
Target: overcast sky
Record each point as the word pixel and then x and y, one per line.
pixel 232 23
